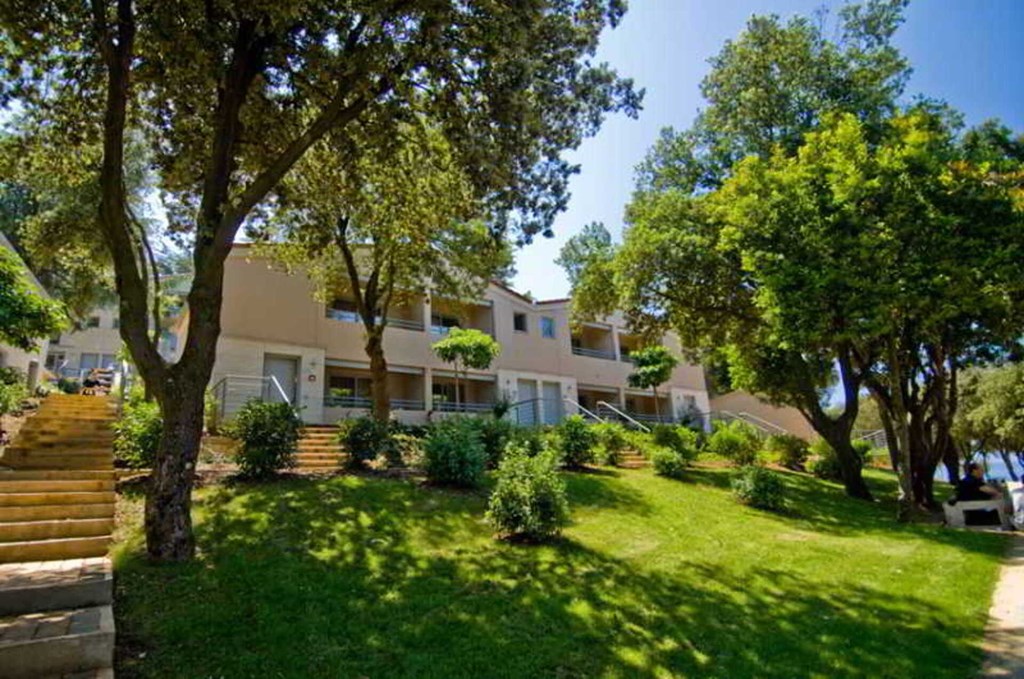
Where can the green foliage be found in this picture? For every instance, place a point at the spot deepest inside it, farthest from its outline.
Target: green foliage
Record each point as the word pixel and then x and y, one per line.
pixel 529 500
pixel 468 348
pixel 530 440
pixel 681 439
pixel 736 441
pixel 13 390
pixel 667 462
pixel 652 367
pixel 790 451
pixel 610 440
pixel 25 314
pixel 495 435
pixel 366 438
pixel 453 453
pixel 137 433
pixel 269 435
pixel 68 385
pixel 759 487
pixel 991 409
pixel 826 465
pixel 576 441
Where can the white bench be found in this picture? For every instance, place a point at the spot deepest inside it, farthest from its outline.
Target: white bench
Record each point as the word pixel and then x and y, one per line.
pixel 1010 508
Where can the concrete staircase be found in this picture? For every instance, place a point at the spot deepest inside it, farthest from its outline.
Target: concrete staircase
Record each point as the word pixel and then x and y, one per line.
pixel 318 449
pixel 56 521
pixel 632 459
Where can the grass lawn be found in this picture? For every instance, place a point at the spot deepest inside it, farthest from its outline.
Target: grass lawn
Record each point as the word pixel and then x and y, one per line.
pixel 363 577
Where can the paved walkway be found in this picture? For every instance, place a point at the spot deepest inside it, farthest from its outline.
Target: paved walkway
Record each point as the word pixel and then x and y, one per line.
pixel 1004 636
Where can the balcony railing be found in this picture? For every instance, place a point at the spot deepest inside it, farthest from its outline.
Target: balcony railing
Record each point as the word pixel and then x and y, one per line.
pixel 453 407
pixel 625 358
pixel 363 402
pixel 594 353
pixel 353 317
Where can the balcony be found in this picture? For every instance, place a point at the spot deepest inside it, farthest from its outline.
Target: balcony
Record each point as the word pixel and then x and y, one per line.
pixel 350 388
pixel 476 394
pixel 446 315
pixel 406 318
pixel 594 341
pixel 341 401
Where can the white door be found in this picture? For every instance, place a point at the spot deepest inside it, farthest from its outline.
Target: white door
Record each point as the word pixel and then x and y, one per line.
pixel 527 391
pixel 286 370
pixel 552 392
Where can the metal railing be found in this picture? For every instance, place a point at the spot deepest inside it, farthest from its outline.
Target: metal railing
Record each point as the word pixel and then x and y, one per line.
pixel 232 392
pixel 876 437
pixel 623 415
pixel 353 317
pixel 594 353
pixel 367 403
pixel 453 407
pixel 582 409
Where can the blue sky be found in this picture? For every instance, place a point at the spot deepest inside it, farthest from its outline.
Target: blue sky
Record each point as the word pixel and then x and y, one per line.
pixel 968 52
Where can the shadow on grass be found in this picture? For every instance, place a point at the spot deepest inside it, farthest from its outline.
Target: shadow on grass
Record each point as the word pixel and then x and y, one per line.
pixel 824 507
pixel 347 578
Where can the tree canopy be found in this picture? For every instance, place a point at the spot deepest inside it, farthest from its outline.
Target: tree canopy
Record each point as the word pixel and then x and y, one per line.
pixel 26 316
pixel 228 97
pixel 466 348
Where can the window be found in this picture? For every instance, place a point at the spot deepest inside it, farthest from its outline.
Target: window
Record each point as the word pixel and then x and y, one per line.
pixel 108 361
pixel 89 361
pixel 116 323
pixel 54 360
pixel 445 392
pixel 55 339
pixel 347 390
pixel 519 322
pixel 343 310
pixel 93 322
pixel 547 327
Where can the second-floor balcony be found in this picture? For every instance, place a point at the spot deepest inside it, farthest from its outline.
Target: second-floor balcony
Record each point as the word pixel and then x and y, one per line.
pixel 405 317
pixel 594 341
pixel 445 315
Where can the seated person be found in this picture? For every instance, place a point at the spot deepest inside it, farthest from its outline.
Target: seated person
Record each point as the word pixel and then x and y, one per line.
pixel 972 487
pixel 91 384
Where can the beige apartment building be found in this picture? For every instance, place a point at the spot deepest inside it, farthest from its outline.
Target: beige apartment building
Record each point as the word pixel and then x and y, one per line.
pixel 95 345
pixel 272 325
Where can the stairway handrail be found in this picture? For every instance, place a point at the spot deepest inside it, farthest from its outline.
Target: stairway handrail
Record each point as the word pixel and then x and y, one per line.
pixel 624 415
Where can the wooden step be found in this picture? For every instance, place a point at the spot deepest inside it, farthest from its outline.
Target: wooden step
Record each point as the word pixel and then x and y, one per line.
pixel 54 529
pixel 53 485
pixel 55 585
pixel 41 499
pixel 57 643
pixel 58 511
pixel 57 474
pixel 55 549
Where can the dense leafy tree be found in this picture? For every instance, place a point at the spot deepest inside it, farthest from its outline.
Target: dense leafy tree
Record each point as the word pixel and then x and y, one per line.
pixel 466 348
pixel 229 96
pixel 652 367
pixel 25 314
pixel 383 227
pixel 990 417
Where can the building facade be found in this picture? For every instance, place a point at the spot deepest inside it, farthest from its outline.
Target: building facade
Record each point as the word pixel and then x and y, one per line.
pixel 95 345
pixel 272 325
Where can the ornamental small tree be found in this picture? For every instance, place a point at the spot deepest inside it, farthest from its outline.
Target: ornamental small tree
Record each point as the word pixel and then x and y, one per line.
pixel 466 348
pixel 654 366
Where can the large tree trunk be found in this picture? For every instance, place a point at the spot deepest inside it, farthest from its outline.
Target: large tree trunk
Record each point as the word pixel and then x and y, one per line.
pixel 169 499
pixel 851 467
pixel 378 377
pixel 901 428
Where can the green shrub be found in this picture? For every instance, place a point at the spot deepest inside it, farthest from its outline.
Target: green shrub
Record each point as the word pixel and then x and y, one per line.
pixel 611 439
pixel 137 433
pixel 791 451
pixel 364 439
pixel 759 487
pixel 736 441
pixel 453 453
pixel 683 440
pixel 269 434
pixel 531 440
pixel 668 462
pixel 576 442
pixel 495 435
pixel 69 386
pixel 13 390
pixel 529 500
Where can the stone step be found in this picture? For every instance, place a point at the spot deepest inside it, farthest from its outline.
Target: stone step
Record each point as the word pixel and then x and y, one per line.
pixel 54 529
pixel 55 549
pixel 52 512
pixel 57 643
pixel 40 499
pixel 53 485
pixel 84 459
pixel 34 586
